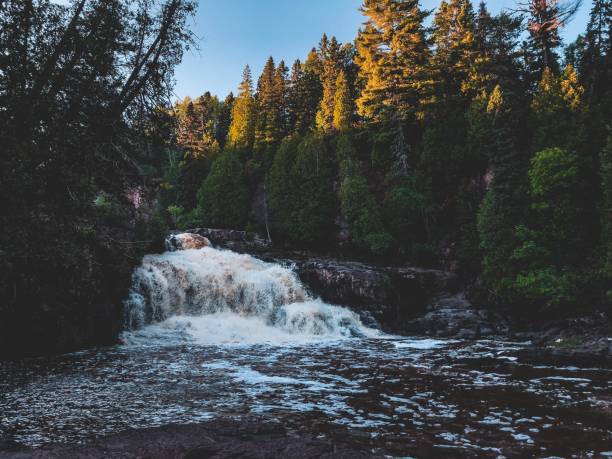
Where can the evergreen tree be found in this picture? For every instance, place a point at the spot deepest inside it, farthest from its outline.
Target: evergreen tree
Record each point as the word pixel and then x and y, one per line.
pixel 301 195
pixel 362 212
pixel 343 104
pixel 497 40
pixel 392 54
pixel 505 202
pixel 358 204
pixel 223 199
pixel 281 101
pixel 331 58
pixel 557 110
pixel 242 128
pixel 281 187
pixel 189 134
pixel 268 121
pixel 595 66
pixel 557 219
pixel 304 93
pixel 224 120
pixel 545 19
pixel 596 47
pixel 456 59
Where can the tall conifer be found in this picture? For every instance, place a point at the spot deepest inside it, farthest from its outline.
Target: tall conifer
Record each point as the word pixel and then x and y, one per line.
pixel 242 128
pixel 343 103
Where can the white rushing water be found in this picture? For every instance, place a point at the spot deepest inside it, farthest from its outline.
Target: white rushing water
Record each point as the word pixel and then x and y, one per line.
pixel 213 296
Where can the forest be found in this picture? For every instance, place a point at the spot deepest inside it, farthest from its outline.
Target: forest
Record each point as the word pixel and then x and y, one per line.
pixel 456 137
pixel 453 138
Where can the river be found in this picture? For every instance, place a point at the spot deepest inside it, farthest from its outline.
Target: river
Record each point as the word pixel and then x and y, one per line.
pixel 210 334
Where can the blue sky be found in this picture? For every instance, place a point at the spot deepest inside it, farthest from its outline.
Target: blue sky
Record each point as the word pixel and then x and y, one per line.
pixel 233 33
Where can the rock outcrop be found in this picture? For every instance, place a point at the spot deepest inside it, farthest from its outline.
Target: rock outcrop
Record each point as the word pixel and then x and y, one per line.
pixel 453 315
pixel 186 241
pixel 238 241
pixel 388 296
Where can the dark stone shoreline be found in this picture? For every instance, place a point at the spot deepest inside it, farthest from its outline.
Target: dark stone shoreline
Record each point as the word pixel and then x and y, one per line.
pixel 221 438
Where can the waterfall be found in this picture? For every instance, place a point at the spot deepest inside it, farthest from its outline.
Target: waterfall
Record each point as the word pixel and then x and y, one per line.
pixel 217 296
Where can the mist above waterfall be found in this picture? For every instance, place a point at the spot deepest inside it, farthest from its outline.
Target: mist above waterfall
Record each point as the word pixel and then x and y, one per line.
pixel 213 296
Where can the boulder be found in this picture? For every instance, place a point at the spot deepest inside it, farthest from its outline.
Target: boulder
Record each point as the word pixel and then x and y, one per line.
pixel 186 241
pixel 405 299
pixel 455 316
pixel 238 241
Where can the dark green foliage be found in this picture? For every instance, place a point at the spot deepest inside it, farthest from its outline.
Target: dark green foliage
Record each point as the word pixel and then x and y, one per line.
pixel 606 212
pixel 301 198
pixel 280 186
pixel 363 215
pixel 506 201
pixel 223 199
pixel 558 219
pixel 406 209
pixel 84 129
pixel 191 175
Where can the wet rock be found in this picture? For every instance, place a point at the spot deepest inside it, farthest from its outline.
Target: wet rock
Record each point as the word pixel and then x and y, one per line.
pixel 455 316
pixel 590 352
pixel 401 299
pixel 186 241
pixel 238 241
pixel 215 439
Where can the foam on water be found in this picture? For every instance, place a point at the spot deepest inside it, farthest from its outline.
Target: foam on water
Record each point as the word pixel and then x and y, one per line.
pixel 212 296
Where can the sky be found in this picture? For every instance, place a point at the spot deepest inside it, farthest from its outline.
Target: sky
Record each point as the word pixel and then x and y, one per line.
pixel 233 33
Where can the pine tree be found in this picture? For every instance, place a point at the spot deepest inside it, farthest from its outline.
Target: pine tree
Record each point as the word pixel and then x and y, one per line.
pixel 207 109
pixel 457 72
pixel 595 68
pixel 304 93
pixel 392 54
pixel 505 202
pixel 545 19
pixel 343 104
pixel 242 128
pixel 557 110
pixel 301 195
pixel 331 55
pixel 189 129
pixel 224 120
pixel 281 101
pixel 597 45
pixel 296 111
pixel 498 54
pixel 266 114
pixel 456 61
pixel 223 199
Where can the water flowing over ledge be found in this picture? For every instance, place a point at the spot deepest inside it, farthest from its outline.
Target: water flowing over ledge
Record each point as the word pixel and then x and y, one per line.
pixel 213 296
